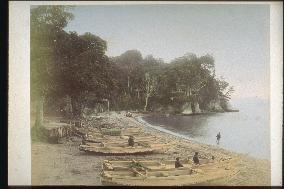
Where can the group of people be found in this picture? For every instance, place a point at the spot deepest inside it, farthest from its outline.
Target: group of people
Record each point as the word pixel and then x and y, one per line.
pixel 177 162
pixel 195 157
pixel 195 161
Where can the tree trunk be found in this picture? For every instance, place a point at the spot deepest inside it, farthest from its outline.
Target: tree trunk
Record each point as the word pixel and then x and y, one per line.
pixel 146 103
pixel 129 87
pixel 108 105
pixel 128 82
pixel 73 106
pixel 39 111
pixel 69 110
pixel 187 91
pixel 76 112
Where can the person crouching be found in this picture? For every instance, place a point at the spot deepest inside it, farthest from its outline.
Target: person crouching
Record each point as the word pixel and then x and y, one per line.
pixel 178 163
pixel 131 141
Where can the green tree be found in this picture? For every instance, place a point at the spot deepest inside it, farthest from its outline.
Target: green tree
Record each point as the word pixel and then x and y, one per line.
pixel 151 68
pixel 85 75
pixel 130 62
pixel 130 78
pixel 46 23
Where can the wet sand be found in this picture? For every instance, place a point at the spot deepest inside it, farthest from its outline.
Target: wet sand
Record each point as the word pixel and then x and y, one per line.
pixel 64 164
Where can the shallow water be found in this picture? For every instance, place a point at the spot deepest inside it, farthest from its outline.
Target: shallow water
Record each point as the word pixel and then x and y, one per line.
pixel 245 132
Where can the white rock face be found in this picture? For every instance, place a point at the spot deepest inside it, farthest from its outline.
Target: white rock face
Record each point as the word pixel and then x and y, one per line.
pixel 215 105
pixel 197 109
pixel 229 106
pixel 187 108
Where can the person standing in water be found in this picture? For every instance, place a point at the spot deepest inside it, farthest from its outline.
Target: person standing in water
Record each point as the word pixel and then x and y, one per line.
pixel 218 137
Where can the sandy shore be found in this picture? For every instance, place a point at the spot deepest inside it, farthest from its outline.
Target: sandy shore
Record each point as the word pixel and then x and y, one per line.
pixel 64 164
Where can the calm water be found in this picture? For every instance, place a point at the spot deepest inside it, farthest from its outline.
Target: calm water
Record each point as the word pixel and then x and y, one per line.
pixel 246 131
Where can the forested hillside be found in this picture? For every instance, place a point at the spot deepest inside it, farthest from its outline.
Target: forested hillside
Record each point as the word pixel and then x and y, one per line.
pixel 71 74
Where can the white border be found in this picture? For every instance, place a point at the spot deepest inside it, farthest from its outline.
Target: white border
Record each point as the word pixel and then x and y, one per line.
pixel 139 2
pixel 276 91
pixel 19 146
pixel 19 143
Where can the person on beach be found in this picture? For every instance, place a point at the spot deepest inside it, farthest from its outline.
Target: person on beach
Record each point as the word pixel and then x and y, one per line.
pixel 196 159
pixel 131 141
pixel 178 163
pixel 84 138
pixel 218 137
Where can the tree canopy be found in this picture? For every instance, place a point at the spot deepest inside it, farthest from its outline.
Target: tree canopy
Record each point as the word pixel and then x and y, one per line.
pixel 68 64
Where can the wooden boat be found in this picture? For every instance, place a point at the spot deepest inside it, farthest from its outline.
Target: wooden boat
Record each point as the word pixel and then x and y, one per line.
pixel 108 131
pixel 111 148
pixel 119 139
pixel 162 173
pixel 149 164
pixel 86 130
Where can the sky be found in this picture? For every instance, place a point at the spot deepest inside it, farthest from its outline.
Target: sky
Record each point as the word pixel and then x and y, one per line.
pixel 237 36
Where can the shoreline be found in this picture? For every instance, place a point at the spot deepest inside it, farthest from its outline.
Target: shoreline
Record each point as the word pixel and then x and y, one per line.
pixel 64 164
pixel 155 127
pixel 164 133
pixel 139 119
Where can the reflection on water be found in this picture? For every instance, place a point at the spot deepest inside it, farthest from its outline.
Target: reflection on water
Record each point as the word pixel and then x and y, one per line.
pixel 246 131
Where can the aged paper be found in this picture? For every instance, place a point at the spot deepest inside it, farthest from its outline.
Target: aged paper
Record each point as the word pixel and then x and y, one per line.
pixel 19 137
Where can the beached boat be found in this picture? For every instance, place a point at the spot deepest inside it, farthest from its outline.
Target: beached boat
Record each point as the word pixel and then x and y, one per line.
pixel 120 139
pixel 108 131
pixel 86 130
pixel 110 142
pixel 118 148
pixel 162 173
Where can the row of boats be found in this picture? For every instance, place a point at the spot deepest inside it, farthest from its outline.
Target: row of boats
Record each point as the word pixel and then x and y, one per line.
pixel 114 141
pixel 94 141
pixel 161 173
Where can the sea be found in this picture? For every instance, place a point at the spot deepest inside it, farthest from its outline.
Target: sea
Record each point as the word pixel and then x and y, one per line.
pixel 246 131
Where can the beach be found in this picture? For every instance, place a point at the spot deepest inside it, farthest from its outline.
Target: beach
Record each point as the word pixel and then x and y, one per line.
pixel 64 164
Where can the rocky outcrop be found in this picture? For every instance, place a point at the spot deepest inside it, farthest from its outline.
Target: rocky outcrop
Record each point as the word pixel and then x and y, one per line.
pixel 186 109
pixel 226 105
pixel 215 106
pixel 196 108
pixel 189 109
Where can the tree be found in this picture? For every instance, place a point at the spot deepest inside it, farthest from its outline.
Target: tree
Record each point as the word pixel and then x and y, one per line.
pixel 190 78
pixel 130 78
pixel 224 90
pixel 150 86
pixel 130 63
pixel 86 75
pixel 46 23
pixel 151 67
